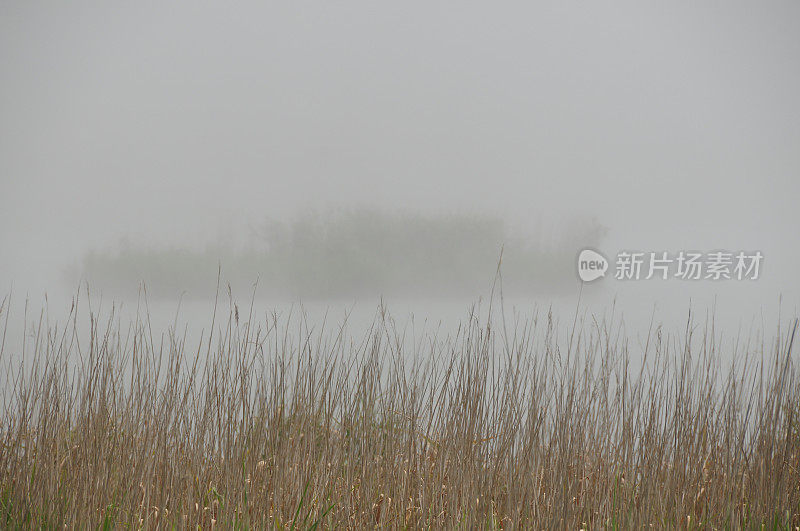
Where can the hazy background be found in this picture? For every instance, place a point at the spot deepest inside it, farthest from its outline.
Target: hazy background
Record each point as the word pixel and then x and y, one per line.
pixel 183 125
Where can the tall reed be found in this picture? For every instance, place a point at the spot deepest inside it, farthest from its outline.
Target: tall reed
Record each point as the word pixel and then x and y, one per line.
pixel 267 423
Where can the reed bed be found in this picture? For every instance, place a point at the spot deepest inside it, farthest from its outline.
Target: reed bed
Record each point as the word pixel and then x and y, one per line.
pixel 272 423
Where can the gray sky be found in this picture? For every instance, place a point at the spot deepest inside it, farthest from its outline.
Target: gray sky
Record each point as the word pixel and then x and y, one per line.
pixel 676 126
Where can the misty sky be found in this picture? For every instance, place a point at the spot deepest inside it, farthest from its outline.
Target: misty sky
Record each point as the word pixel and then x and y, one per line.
pixel 676 126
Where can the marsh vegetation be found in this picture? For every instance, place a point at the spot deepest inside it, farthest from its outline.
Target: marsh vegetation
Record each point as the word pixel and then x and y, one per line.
pixel 269 422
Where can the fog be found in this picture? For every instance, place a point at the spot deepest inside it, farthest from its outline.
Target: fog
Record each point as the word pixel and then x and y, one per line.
pixel 155 128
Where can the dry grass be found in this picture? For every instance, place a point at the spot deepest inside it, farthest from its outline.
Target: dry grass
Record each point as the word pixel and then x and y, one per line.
pixel 284 426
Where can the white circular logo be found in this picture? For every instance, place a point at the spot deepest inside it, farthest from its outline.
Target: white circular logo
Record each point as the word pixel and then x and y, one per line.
pixel 591 265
